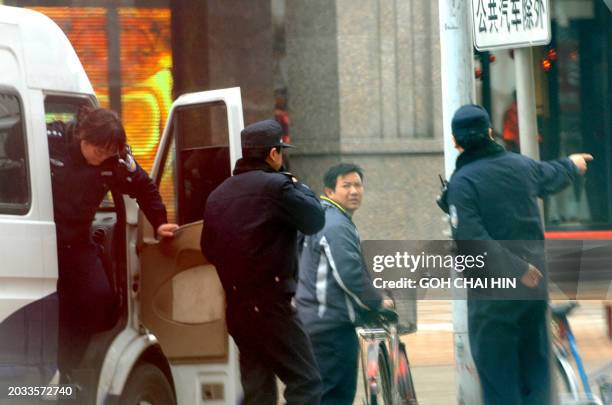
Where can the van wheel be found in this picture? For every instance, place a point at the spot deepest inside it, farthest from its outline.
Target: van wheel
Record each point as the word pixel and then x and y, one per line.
pixel 147 385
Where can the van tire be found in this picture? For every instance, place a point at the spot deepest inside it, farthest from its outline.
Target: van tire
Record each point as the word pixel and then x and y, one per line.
pixel 147 384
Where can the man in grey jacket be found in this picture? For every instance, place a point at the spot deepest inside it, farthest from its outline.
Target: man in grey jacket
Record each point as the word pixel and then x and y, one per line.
pixel 334 286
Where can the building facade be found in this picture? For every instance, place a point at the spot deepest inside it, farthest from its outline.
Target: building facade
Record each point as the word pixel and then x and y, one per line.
pixel 359 81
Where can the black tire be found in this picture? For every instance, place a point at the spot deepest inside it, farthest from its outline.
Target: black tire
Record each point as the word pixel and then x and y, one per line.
pixel 147 384
pixel 563 381
pixel 383 380
pixel 405 383
pixel 380 392
pixel 565 384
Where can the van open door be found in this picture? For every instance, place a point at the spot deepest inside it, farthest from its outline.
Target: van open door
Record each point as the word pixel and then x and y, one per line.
pixel 181 298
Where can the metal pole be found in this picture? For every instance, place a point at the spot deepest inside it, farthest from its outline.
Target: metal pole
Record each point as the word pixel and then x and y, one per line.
pixel 485 63
pixel 528 135
pixel 457 69
pixel 525 96
pixel 457 76
pixel 113 34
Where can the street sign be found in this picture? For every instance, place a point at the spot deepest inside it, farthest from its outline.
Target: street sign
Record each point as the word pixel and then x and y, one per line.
pixel 500 24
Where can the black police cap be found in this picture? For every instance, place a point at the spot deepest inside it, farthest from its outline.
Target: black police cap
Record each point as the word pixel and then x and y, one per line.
pixel 262 135
pixel 470 120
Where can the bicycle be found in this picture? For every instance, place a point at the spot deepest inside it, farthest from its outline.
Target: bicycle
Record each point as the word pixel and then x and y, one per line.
pixel 385 368
pixel 565 349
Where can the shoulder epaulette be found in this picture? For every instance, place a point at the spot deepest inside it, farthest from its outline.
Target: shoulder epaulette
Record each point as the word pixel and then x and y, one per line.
pixel 56 130
pixel 53 133
pixel 290 175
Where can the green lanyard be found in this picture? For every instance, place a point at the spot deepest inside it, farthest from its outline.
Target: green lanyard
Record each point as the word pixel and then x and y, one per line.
pixel 336 204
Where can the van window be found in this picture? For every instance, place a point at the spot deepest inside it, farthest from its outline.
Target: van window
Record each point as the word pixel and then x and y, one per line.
pixel 203 156
pixel 14 178
pixel 197 161
pixel 61 108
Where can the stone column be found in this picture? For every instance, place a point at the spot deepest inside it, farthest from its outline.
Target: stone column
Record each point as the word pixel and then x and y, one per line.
pixel 364 86
pixel 313 82
pixel 225 43
pixel 189 25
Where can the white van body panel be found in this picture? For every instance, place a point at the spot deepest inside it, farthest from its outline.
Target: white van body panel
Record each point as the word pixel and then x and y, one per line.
pixel 36 58
pixel 189 379
pixel 31 47
pixel 125 350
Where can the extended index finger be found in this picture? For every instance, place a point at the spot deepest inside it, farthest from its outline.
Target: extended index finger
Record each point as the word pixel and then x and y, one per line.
pixel 587 156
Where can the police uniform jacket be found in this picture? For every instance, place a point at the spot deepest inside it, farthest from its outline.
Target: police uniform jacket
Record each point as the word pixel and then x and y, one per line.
pixel 78 188
pixel 250 231
pixel 492 198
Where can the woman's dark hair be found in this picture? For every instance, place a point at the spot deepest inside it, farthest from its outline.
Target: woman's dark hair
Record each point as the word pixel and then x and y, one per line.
pixel 341 169
pixel 101 127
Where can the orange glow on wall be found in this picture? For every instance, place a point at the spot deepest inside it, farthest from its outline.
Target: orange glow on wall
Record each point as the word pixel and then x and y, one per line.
pixel 85 27
pixel 146 63
pixel 146 75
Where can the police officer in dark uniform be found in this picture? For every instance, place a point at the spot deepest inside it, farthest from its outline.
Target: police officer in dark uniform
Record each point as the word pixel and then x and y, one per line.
pixel 88 157
pixel 250 235
pixel 492 200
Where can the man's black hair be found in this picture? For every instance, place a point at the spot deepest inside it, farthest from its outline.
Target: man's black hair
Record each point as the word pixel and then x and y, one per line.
pixel 258 153
pixel 341 169
pixel 475 140
pixel 470 126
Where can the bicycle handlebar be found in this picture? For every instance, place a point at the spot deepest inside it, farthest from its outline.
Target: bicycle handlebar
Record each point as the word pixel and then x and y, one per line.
pixel 563 310
pixel 388 315
pixel 381 316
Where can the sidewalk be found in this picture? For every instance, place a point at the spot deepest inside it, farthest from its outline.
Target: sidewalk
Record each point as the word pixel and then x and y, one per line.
pixel 430 349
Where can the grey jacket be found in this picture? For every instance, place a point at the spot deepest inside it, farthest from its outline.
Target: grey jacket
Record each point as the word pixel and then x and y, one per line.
pixel 334 287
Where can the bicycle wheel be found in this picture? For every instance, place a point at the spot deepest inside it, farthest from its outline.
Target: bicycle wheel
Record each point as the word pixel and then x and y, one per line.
pixel 378 378
pixel 405 385
pixel 564 377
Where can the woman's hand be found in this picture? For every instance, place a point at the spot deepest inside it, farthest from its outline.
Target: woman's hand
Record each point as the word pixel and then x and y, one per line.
pixel 167 230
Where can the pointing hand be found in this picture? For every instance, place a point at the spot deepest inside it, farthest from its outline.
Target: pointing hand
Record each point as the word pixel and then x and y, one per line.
pixel 580 160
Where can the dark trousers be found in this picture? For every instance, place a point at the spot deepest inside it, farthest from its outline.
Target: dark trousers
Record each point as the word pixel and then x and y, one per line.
pixel 337 352
pixel 509 344
pixel 272 342
pixel 86 303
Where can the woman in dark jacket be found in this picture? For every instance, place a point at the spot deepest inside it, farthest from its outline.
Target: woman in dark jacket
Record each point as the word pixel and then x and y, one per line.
pixel 88 157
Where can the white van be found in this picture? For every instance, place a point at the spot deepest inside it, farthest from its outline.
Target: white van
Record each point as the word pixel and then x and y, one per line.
pixel 170 343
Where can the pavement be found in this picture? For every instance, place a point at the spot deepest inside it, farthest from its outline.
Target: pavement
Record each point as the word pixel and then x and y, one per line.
pixel 431 352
